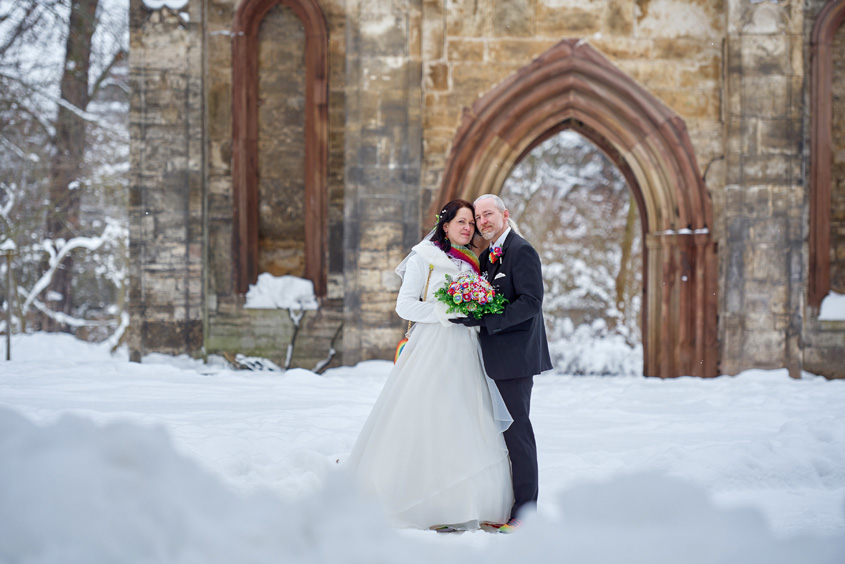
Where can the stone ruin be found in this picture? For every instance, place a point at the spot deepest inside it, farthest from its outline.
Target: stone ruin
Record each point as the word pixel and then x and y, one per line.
pixel 316 138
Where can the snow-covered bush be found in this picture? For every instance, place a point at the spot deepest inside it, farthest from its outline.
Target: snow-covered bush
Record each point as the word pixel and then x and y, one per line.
pixel 572 203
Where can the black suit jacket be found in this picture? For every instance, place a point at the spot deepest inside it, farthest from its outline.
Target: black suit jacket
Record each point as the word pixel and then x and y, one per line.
pixel 514 343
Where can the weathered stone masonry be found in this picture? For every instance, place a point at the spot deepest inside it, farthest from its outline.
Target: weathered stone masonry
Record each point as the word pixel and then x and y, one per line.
pixel 167 184
pixel 734 74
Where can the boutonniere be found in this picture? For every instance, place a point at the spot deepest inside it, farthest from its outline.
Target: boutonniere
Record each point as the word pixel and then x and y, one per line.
pixel 496 254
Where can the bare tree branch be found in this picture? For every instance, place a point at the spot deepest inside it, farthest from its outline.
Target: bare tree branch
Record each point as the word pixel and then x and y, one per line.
pixel 34 13
pixel 118 57
pixel 45 126
pixel 24 25
pixel 57 254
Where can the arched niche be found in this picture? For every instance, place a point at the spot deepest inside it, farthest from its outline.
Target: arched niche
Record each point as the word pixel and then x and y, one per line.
pixel 828 22
pixel 245 139
pixel 573 86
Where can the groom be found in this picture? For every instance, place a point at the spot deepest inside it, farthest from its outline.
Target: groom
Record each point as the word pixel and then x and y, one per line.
pixel 513 343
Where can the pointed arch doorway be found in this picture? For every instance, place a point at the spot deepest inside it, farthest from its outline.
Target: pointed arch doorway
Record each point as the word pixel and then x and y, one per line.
pixel 573 86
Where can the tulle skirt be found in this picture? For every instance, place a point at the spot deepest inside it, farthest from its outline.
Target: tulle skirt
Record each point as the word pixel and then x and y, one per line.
pixel 432 450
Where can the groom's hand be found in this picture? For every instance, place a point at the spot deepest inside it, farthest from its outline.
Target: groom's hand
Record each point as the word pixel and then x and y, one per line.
pixel 468 321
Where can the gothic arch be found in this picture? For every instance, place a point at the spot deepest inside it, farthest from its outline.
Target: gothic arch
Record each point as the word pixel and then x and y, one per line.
pixel 828 21
pixel 245 140
pixel 573 86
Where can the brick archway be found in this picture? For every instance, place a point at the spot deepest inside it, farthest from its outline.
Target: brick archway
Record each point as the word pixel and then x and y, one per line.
pixel 245 140
pixel 573 86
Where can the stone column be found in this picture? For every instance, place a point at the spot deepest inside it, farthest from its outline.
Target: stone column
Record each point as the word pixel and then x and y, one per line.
pixel 382 167
pixel 762 261
pixel 166 163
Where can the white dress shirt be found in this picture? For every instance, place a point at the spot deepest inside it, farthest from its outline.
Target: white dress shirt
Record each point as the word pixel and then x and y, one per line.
pixel 501 240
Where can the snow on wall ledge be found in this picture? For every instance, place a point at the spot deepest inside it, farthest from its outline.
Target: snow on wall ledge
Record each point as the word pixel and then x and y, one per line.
pixel 832 308
pixel 281 292
pixel 172 4
pixel 73 491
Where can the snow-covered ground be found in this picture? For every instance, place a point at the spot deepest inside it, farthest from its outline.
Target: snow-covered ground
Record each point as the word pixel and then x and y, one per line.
pixel 102 460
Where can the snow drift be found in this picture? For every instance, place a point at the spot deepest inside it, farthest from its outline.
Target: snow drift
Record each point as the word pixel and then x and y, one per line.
pixel 75 492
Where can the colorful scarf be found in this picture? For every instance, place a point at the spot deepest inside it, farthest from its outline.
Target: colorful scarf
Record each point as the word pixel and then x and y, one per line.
pixel 463 253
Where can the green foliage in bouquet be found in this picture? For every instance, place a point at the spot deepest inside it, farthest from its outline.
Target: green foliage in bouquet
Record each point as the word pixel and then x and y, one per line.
pixel 470 294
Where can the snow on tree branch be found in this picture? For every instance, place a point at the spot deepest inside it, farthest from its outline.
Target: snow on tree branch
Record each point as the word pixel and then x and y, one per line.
pixel 85 116
pixel 68 319
pixel 6 209
pixel 115 338
pixel 58 250
pixel 119 56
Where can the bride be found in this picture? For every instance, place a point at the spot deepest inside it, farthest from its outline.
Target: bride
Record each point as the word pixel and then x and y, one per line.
pixel 432 450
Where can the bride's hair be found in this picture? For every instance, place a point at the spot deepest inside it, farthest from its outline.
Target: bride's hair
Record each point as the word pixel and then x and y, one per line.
pixel 446 215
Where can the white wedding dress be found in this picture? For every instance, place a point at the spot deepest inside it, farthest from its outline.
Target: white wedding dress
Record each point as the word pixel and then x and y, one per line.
pixel 432 450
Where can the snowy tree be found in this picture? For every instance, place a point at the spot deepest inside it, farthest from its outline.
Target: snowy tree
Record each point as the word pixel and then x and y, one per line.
pixel 64 161
pixel 574 206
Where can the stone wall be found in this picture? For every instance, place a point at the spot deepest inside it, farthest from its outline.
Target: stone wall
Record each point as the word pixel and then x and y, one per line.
pixel 401 74
pixel 166 192
pixel 471 45
pixel 382 167
pixel 733 70
pixel 762 253
pixel 677 59
pixel 183 299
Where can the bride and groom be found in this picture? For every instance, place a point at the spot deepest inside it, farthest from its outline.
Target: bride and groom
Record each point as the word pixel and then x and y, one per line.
pixel 449 445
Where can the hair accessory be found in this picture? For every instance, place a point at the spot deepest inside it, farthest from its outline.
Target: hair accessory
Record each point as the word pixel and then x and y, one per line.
pixel 437 217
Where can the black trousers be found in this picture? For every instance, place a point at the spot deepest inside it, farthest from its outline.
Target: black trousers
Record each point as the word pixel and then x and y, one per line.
pixel 519 439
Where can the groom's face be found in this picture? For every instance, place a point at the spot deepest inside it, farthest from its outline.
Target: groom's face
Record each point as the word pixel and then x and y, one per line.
pixel 490 220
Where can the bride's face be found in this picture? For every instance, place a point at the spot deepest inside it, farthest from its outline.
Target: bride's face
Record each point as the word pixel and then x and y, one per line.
pixel 462 227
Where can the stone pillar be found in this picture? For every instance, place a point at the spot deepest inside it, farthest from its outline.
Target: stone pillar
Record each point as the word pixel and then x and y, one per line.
pixel 166 193
pixel 764 203
pixel 382 168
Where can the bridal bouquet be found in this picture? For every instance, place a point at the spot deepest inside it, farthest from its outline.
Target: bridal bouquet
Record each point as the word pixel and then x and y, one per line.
pixel 470 294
